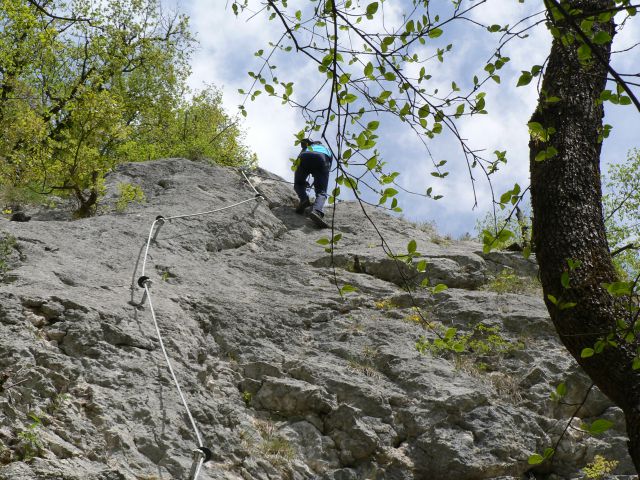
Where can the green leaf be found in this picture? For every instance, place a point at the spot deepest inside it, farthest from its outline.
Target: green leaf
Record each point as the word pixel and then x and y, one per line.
pixel 564 279
pixel 441 287
pixel 435 33
pixel 535 459
pixel 348 98
pixel 561 389
pixel 411 247
pixel 347 289
pixel 551 152
pixel 599 426
pixel 541 156
pixel 424 111
pixel 636 363
pixel 536 129
pixel 372 8
pixel 566 305
pixel 368 70
pixel 524 79
pixel 323 241
pixel 618 289
pixel 601 38
pixel 552 299
pixel 373 125
pixel 584 52
pixel 573 264
pixel 421 266
pixel 587 352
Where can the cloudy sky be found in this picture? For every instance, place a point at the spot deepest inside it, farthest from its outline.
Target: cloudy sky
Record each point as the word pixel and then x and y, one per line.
pixel 226 53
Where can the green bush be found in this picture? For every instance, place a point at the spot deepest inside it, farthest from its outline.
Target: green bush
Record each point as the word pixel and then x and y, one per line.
pixel 481 341
pixel 508 282
pixel 7 244
pixel 129 193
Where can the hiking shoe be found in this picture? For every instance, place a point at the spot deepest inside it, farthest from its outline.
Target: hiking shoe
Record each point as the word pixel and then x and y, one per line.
pixel 316 217
pixel 303 205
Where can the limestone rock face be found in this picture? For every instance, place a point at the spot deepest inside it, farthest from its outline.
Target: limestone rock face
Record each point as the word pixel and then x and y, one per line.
pixel 284 377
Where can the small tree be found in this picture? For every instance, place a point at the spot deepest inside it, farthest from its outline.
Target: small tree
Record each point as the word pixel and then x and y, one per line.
pixel 198 128
pixel 622 213
pixel 73 83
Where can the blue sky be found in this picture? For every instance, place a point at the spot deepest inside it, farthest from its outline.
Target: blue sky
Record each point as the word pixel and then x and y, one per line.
pixel 226 53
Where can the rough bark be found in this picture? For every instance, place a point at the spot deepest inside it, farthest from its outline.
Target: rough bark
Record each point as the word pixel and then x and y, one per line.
pixel 568 221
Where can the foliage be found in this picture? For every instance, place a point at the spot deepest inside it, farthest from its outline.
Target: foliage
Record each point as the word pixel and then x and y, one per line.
pixel 129 193
pixel 420 317
pixel 277 448
pixel 365 365
pixel 505 220
pixel 197 128
pixel 481 341
pixel 598 427
pixel 84 86
pixel 537 459
pixel 247 397
pixel 622 212
pixel 384 304
pixel 508 282
pixel 32 445
pixel 600 468
pixel 74 82
pixel 7 244
pixel 621 204
pixel 57 402
pixel 10 196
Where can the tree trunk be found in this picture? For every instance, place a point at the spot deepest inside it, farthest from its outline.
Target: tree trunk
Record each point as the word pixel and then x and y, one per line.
pixel 568 222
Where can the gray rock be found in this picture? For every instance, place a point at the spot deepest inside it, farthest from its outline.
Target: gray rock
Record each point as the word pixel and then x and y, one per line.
pixel 290 397
pixel 283 376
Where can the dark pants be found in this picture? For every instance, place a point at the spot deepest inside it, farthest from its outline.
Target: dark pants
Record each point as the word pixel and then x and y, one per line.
pixel 318 165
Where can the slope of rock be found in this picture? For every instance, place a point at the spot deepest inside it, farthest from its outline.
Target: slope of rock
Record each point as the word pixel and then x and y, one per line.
pixel 284 377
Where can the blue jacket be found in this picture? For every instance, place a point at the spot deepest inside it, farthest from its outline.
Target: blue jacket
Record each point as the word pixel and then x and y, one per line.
pixel 319 148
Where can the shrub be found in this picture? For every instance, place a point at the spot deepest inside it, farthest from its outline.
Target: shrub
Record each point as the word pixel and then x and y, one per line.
pixel 508 282
pixel 481 341
pixel 599 468
pixel 129 193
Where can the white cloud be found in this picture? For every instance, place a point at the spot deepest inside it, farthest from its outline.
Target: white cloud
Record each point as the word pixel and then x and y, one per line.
pixel 226 54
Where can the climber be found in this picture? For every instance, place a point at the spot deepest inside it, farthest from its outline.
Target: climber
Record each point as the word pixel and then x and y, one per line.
pixel 314 160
